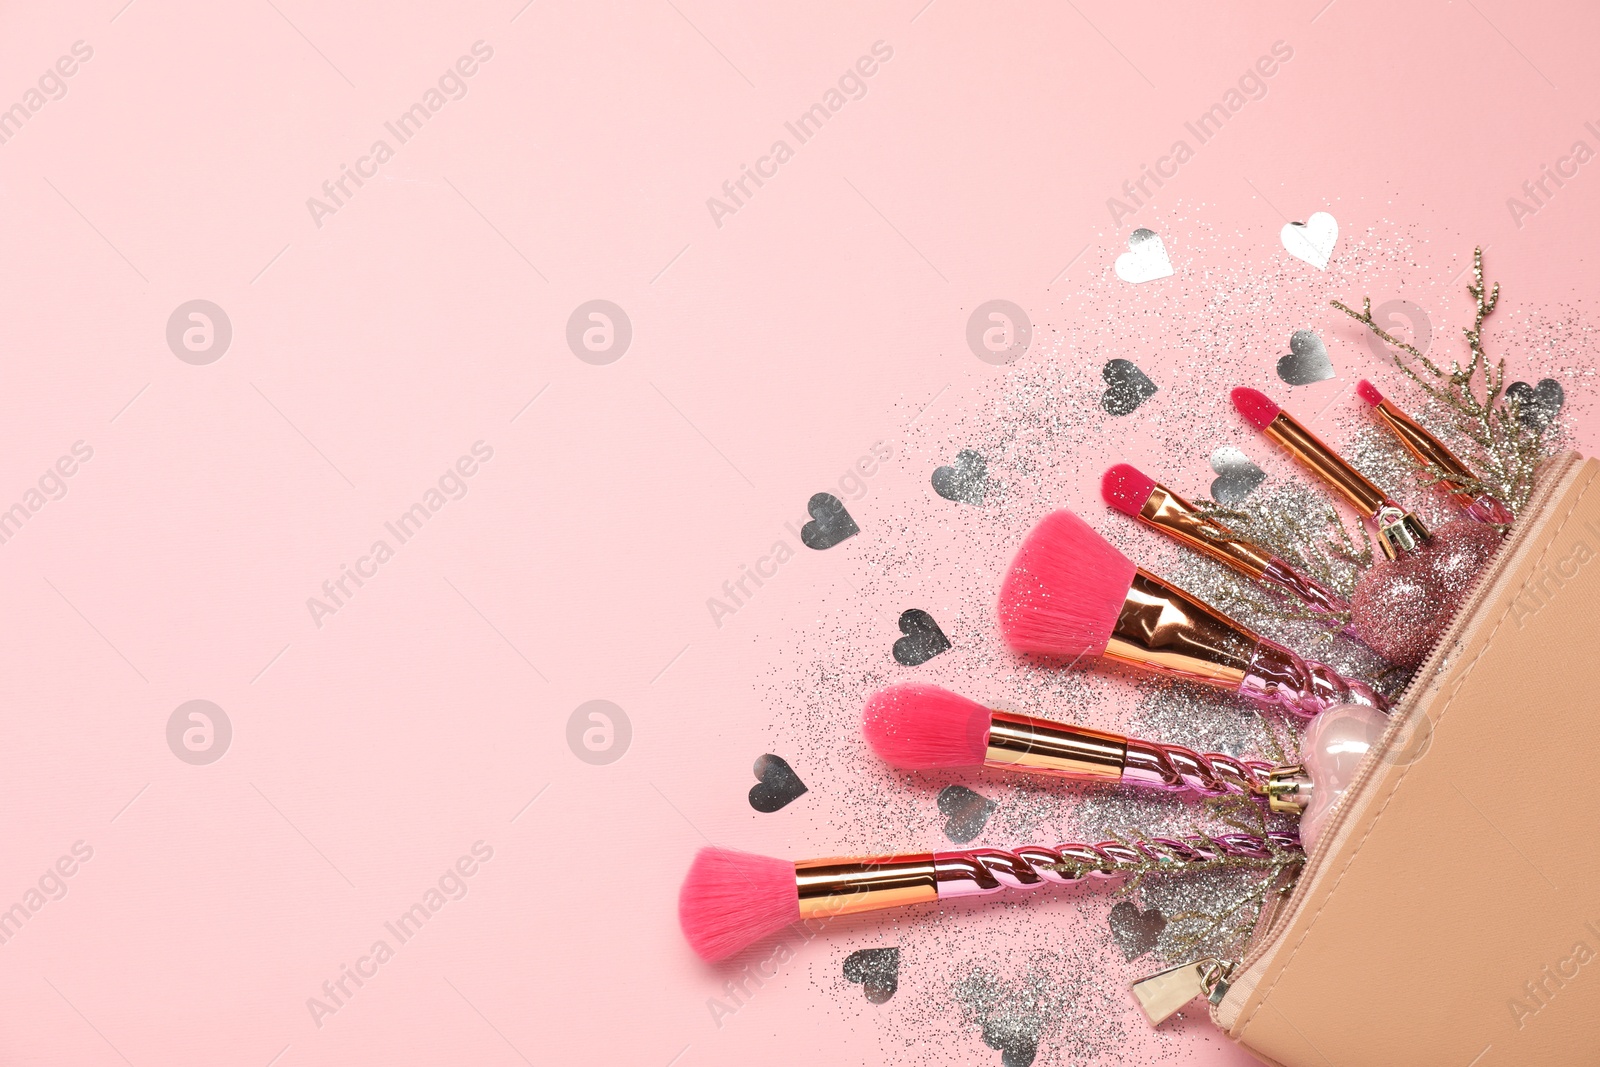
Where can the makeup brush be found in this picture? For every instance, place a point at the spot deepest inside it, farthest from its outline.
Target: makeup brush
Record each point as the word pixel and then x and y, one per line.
pixel 1398 530
pixel 923 727
pixel 731 900
pixel 1140 497
pixel 1456 476
pixel 1402 605
pixel 1070 594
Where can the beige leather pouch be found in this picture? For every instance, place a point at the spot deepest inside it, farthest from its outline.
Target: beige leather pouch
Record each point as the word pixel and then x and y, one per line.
pixel 1450 915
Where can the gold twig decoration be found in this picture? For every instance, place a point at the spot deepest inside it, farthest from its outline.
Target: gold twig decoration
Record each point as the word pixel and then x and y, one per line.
pixel 1508 450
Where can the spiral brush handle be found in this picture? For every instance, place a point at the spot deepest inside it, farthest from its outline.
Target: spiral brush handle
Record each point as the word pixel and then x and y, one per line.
pixel 982 871
pixel 1310 592
pixel 1174 768
pixel 1279 678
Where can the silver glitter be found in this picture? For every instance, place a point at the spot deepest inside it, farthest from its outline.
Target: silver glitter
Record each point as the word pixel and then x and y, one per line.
pixel 1040 972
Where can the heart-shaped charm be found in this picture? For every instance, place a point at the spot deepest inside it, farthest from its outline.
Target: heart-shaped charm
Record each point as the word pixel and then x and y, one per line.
pixel 1126 387
pixel 1015 1039
pixel 1146 258
pixel 1136 931
pixel 965 812
pixel 1332 750
pixel 1307 360
pixel 875 970
pixel 776 784
pixel 1237 477
pixel 966 482
pixel 1311 240
pixel 830 522
pixel 923 639
pixel 1537 405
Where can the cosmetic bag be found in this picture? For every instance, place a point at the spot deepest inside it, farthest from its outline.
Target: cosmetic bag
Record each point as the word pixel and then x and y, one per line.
pixel 1450 913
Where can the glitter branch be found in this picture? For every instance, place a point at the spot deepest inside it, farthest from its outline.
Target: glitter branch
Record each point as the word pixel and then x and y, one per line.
pixel 1508 449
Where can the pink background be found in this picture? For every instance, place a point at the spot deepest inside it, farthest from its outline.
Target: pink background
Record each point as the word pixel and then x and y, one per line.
pixel 429 313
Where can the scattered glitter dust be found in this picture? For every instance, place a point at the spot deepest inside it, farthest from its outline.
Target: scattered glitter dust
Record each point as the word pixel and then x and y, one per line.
pixel 1039 977
pixel 876 970
pixel 1135 932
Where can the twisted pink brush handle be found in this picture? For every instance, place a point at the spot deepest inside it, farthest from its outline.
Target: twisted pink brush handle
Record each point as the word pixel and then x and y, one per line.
pixel 1279 678
pixel 982 871
pixel 1174 768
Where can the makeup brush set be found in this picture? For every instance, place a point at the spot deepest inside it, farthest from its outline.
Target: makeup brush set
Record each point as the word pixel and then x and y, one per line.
pixel 1071 597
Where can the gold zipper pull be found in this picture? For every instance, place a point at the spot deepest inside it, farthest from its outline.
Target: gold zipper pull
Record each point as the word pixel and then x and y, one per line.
pixel 1163 993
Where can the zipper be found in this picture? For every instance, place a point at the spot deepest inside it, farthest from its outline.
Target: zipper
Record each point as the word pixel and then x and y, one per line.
pixel 1163 993
pixel 1271 925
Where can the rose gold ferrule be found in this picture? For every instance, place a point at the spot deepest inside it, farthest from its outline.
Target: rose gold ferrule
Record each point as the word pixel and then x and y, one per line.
pixel 1430 451
pixel 1176 517
pixel 1399 531
pixel 1422 444
pixel 1023 743
pixel 1164 628
pixel 845 886
pixel 1309 449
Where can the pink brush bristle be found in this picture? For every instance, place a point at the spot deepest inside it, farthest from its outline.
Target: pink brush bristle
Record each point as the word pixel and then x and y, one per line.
pixel 1369 392
pixel 733 899
pixel 1257 408
pixel 1064 590
pixel 1126 488
pixel 919 727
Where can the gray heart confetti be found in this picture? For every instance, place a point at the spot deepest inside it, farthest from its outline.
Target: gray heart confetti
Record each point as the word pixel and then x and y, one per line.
pixel 966 482
pixel 965 812
pixel 777 784
pixel 1136 931
pixel 830 522
pixel 1307 360
pixel 1237 477
pixel 923 639
pixel 875 970
pixel 1537 405
pixel 1016 1041
pixel 1126 387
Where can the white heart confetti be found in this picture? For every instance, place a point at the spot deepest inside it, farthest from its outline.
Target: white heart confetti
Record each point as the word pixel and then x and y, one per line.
pixel 1312 240
pixel 1146 258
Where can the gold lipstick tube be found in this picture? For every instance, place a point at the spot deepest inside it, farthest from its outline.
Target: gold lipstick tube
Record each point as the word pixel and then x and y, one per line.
pixel 1398 530
pixel 1431 451
pixel 1176 517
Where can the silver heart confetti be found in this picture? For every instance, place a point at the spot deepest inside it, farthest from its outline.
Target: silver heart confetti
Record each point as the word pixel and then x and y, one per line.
pixel 1237 476
pixel 966 482
pixel 875 970
pixel 965 812
pixel 1307 360
pixel 1135 931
